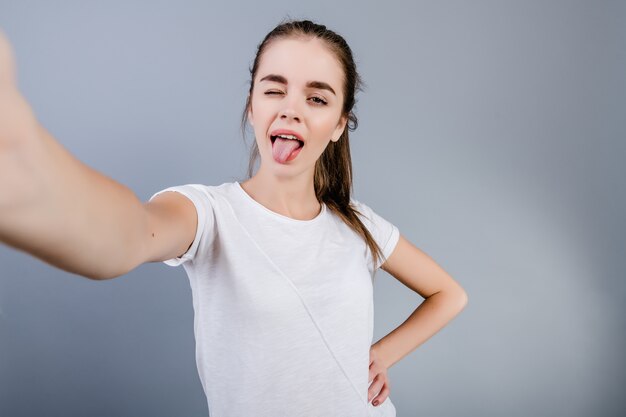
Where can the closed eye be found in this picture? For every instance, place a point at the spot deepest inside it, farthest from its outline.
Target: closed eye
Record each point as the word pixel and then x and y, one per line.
pixel 321 101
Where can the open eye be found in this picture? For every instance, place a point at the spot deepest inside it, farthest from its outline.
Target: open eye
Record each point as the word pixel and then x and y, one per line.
pixel 321 100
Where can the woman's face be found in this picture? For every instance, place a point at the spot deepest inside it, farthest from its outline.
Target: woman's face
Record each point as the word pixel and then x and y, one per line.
pixel 298 87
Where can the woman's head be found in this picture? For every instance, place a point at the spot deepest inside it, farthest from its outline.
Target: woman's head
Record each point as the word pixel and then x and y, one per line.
pixel 301 52
pixel 298 87
pixel 304 79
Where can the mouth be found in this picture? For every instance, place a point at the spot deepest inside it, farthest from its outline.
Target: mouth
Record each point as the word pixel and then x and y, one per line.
pixel 285 148
pixel 273 139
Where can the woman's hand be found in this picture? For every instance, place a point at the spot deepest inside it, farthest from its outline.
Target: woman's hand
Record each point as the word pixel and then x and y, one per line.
pixel 7 61
pixel 17 120
pixel 379 389
pixel 19 129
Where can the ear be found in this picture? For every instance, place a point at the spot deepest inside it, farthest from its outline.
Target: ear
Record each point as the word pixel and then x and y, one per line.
pixel 249 100
pixel 341 125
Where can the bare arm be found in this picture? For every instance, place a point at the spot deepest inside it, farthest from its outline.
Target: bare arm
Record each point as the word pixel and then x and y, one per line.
pixel 69 215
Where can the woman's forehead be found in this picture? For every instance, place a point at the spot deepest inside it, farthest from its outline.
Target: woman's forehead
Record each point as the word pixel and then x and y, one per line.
pixel 301 61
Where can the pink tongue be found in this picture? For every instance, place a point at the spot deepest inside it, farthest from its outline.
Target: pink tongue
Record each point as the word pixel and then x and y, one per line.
pixel 283 148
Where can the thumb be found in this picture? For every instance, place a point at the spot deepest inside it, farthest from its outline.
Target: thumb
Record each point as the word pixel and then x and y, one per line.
pixel 7 62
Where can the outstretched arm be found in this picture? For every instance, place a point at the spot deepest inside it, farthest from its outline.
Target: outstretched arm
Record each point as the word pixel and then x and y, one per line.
pixel 69 215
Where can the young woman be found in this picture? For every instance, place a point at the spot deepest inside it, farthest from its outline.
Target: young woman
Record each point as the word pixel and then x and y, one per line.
pixel 280 265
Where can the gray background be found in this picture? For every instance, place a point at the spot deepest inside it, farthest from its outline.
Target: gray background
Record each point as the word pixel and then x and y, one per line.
pixel 492 134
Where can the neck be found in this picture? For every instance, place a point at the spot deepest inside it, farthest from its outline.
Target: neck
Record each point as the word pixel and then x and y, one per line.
pixel 290 196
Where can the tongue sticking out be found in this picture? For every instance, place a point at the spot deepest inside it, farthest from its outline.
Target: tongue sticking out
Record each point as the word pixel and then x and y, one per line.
pixel 285 149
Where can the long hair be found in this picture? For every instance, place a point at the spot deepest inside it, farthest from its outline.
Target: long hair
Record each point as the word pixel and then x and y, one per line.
pixel 333 169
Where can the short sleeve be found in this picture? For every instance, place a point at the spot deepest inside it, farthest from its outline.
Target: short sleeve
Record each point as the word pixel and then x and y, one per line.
pixel 197 194
pixel 385 233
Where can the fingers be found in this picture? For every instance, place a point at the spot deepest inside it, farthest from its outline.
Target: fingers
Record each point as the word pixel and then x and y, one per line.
pixel 7 63
pixel 375 387
pixel 382 396
pixel 379 388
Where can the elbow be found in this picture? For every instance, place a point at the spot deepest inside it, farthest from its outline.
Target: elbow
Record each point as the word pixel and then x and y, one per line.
pixel 89 274
pixel 461 298
pixel 116 269
pixel 100 277
pixel 457 297
pixel 108 275
pixel 464 300
pixel 103 275
pixel 97 276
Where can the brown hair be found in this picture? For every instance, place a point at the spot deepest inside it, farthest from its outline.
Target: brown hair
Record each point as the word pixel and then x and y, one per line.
pixel 333 169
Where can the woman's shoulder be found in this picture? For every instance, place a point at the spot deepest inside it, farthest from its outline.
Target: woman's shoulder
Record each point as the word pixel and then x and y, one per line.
pixel 370 216
pixel 207 195
pixel 360 207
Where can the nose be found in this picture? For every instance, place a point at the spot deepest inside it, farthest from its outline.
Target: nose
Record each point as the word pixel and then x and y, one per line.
pixel 289 112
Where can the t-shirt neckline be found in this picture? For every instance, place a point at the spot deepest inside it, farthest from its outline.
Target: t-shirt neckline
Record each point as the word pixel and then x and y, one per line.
pixel 278 215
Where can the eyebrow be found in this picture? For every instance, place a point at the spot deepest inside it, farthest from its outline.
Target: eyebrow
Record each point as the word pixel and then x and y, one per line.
pixel 312 84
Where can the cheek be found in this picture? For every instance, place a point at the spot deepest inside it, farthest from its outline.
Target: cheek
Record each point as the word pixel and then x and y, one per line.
pixel 327 128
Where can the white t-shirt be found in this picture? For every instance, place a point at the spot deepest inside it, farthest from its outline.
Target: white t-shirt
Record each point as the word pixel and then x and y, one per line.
pixel 283 308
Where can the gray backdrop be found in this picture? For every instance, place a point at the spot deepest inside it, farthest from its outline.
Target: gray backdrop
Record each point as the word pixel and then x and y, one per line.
pixel 492 134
